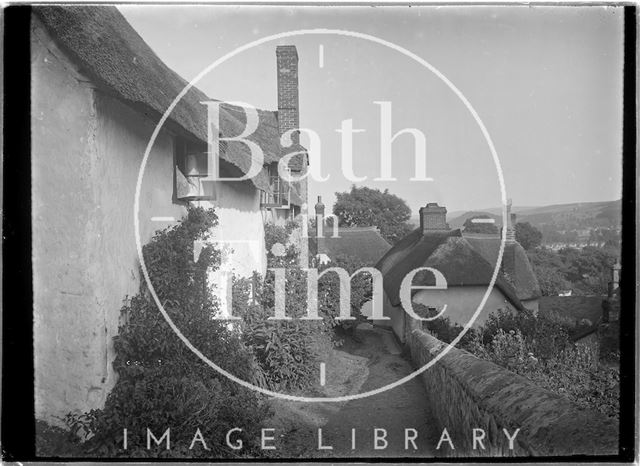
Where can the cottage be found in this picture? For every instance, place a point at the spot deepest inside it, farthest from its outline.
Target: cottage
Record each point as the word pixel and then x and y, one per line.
pixel 364 244
pixel 466 270
pixel 98 91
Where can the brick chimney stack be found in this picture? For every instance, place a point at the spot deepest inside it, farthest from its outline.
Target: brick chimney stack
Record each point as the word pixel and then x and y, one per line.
pixel 433 218
pixel 288 115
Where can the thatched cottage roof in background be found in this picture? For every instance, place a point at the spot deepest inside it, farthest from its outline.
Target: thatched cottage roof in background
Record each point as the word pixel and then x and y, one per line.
pixel 515 263
pixel 364 243
pixel 110 52
pixel 447 252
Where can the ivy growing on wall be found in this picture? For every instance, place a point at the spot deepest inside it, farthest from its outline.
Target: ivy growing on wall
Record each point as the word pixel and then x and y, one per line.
pixel 161 383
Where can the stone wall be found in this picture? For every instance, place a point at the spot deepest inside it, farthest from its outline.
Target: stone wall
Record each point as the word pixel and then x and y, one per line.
pixel 466 393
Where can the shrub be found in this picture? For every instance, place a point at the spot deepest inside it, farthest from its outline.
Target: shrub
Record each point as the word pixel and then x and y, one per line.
pixel 287 352
pixel 329 290
pixel 442 328
pixel 55 442
pixel 537 347
pixel 544 335
pixel 161 383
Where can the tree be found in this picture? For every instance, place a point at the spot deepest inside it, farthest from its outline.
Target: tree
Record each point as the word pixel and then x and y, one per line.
pixel 528 236
pixel 372 207
pixel 551 280
pixel 586 271
pixel 487 228
pixel 589 267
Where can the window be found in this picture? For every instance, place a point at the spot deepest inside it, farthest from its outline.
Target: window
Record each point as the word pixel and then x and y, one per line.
pixel 280 190
pixel 190 171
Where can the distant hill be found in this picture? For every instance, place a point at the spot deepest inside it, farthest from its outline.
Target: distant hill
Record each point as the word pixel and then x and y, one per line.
pixel 458 222
pixel 579 217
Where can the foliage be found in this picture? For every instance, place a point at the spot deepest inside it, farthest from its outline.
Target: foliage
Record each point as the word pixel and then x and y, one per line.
pixel 537 347
pixel 371 207
pixel 551 281
pixel 286 350
pixel 442 328
pixel 329 289
pixel 589 268
pixel 549 270
pixel 610 342
pixel 277 234
pixel 544 334
pixel 55 442
pixel 528 236
pixel 161 383
pixel 487 228
pixel 586 271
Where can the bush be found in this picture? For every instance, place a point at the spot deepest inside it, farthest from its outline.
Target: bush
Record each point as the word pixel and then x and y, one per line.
pixel 538 348
pixel 161 383
pixel 442 328
pixel 544 335
pixel 55 442
pixel 329 290
pixel 288 352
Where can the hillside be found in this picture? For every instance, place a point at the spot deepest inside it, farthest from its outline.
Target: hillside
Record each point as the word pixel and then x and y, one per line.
pixel 576 222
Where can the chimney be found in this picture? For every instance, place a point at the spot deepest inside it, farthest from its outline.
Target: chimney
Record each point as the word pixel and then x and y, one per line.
pixel 288 119
pixel 511 222
pixel 615 275
pixel 319 218
pixel 433 218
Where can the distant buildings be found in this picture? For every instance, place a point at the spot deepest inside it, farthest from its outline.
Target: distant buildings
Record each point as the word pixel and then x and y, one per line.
pixel 362 243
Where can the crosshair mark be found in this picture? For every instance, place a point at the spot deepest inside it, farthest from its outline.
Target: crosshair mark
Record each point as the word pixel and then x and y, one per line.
pixel 322 374
pixel 483 220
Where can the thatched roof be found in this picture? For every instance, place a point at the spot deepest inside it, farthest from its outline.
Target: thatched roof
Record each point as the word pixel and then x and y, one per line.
pixel 515 263
pixel 110 52
pixel 446 251
pixel 266 135
pixel 364 243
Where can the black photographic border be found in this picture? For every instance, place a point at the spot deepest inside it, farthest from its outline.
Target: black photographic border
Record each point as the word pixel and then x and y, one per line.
pixel 18 417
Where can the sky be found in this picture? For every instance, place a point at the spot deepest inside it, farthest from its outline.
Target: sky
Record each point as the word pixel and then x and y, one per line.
pixel 546 82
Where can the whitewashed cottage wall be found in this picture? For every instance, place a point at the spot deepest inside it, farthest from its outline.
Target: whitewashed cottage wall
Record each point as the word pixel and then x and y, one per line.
pixel 86 153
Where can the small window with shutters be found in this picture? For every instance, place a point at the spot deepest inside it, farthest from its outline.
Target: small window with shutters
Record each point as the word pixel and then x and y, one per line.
pixel 190 172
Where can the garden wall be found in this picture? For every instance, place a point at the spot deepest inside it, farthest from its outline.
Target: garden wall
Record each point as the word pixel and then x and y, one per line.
pixel 466 393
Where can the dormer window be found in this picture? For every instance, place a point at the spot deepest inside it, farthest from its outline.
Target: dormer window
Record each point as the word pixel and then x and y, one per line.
pixel 190 174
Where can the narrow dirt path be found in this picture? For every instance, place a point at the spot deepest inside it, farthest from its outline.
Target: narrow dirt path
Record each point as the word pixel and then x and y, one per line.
pixel 392 411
